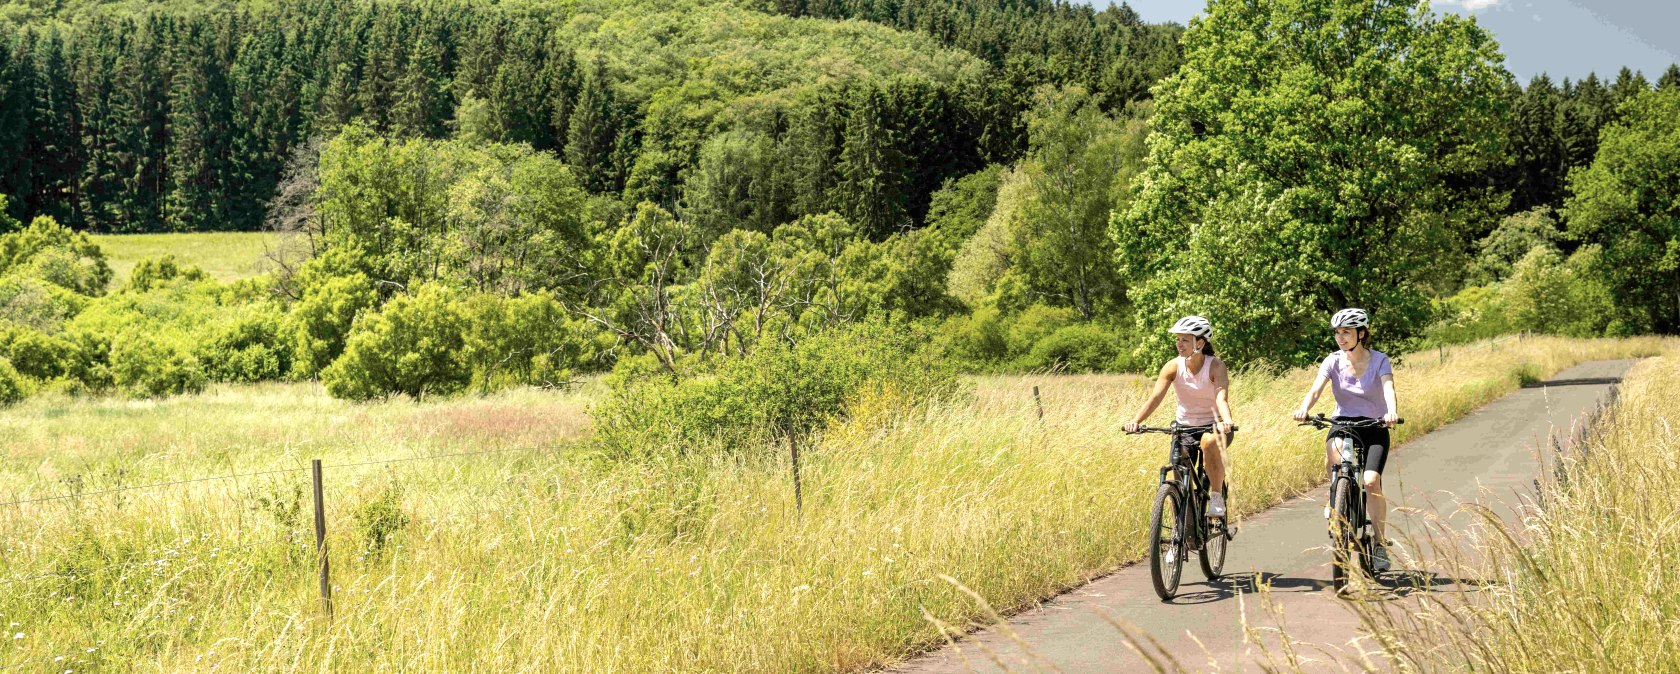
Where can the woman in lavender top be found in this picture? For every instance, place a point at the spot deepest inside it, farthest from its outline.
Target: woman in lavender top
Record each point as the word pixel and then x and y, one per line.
pixel 1362 382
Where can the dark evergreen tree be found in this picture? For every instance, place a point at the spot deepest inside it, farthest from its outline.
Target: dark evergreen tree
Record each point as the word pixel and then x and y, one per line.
pixel 872 167
pixel 54 133
pixel 17 104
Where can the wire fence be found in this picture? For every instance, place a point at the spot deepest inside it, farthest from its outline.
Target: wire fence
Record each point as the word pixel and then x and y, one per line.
pixel 159 559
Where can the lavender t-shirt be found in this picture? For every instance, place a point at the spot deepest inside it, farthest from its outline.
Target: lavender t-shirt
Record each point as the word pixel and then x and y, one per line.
pixel 1357 396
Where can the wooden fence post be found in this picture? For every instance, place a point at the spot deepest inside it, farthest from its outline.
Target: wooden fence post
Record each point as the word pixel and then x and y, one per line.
pixel 798 497
pixel 1039 403
pixel 321 539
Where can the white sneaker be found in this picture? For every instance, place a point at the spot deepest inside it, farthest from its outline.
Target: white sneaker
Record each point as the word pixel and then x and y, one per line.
pixel 1216 505
pixel 1379 558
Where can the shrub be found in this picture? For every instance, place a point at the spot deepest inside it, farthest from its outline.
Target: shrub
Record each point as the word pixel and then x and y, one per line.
pixel 39 355
pixel 380 520
pixel 1075 348
pixel 321 320
pixel 249 348
pixel 977 339
pixel 1036 323
pixel 55 254
pixel 154 272
pixel 146 367
pixel 412 345
pixel 521 340
pixel 779 389
pixel 13 387
pixel 31 302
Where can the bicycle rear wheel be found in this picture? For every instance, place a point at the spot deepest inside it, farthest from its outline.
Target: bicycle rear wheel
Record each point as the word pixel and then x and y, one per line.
pixel 1166 541
pixel 1344 555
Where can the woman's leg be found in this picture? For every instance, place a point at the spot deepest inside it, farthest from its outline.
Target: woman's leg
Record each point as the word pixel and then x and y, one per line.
pixel 1376 507
pixel 1213 461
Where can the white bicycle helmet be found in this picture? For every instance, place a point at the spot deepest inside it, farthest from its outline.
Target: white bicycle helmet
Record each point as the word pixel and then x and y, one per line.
pixel 1350 318
pixel 1192 325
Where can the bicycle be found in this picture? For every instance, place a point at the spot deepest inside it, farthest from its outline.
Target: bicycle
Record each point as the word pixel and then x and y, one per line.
pixel 1351 535
pixel 1179 501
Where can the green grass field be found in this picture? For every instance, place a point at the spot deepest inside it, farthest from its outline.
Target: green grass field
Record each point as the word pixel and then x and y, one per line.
pixel 225 256
pixel 546 558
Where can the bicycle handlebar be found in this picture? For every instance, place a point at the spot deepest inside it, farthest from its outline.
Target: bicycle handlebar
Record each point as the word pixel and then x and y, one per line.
pixel 1320 421
pixel 1175 428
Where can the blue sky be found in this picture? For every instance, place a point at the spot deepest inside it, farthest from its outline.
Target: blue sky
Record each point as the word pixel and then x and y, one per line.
pixel 1564 38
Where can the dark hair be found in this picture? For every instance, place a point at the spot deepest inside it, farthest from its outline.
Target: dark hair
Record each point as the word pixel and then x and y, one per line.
pixel 1364 336
pixel 1207 346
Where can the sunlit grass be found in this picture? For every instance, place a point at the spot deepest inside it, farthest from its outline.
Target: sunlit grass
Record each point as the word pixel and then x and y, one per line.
pixel 549 559
pixel 225 256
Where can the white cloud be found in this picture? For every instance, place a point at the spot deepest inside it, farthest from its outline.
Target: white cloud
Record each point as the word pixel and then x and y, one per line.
pixel 1471 5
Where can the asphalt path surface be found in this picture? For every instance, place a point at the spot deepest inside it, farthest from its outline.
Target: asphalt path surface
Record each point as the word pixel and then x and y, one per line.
pixel 1489 456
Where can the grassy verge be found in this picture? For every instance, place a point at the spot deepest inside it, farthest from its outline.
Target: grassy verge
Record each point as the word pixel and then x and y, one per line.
pixel 546 561
pixel 225 256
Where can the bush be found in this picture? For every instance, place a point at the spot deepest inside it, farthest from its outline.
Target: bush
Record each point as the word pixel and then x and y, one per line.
pixel 321 320
pixel 249 348
pixel 412 345
pixel 13 387
pixel 154 272
pixel 1560 297
pixel 55 254
pixel 28 301
pixel 38 355
pixel 778 390
pixel 1036 323
pixel 379 521
pixel 521 340
pixel 978 339
pixel 146 367
pixel 1075 348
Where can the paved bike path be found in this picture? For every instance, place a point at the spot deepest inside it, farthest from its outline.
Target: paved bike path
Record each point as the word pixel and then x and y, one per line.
pixel 1489 451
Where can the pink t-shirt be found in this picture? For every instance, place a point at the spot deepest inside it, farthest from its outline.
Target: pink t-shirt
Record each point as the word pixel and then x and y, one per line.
pixel 1360 396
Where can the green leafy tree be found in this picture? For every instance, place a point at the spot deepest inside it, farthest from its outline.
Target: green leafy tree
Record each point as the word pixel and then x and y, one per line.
pixel 1062 242
pixel 412 345
pixel 1628 202
pixel 1312 155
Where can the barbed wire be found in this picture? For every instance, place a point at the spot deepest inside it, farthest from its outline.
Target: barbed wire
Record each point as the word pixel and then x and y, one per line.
pixel 452 455
pixel 83 573
pixel 103 492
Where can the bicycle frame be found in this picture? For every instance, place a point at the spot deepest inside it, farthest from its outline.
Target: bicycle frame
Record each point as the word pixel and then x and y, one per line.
pixel 1190 479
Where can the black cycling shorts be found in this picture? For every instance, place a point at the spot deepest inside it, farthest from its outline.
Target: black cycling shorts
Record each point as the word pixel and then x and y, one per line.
pixel 1375 440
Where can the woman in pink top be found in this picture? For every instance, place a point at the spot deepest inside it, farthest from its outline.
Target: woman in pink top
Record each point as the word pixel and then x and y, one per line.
pixel 1199 380
pixel 1362 382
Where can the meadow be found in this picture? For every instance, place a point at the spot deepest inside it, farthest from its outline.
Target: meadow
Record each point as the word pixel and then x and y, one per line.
pixel 224 256
pixel 541 556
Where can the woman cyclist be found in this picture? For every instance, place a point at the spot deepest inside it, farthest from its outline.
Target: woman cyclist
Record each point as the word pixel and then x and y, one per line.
pixel 1199 380
pixel 1362 382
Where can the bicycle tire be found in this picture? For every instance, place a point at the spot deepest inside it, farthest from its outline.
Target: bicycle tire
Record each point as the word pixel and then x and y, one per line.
pixel 1166 541
pixel 1213 546
pixel 1342 552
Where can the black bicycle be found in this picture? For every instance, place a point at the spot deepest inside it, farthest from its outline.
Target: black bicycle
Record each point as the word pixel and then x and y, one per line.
pixel 1351 535
pixel 1177 525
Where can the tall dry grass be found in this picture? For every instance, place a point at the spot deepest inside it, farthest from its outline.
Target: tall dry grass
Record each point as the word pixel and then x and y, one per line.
pixel 545 560
pixel 1584 582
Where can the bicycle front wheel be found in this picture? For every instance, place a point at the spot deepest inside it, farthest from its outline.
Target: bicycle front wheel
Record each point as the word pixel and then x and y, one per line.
pixel 1166 541
pixel 1344 554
